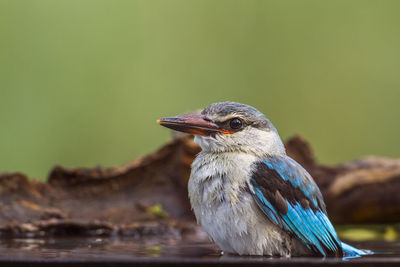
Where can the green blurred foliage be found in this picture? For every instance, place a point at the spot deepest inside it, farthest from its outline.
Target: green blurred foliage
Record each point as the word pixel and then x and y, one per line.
pixel 389 233
pixel 82 82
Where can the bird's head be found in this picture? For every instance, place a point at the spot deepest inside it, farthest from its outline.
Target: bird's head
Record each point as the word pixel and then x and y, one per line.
pixel 229 127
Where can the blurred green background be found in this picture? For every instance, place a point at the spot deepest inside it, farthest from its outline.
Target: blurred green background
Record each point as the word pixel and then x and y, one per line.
pixel 83 82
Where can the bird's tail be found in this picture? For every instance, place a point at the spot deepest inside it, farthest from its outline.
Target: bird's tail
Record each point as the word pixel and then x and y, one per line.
pixel 352 252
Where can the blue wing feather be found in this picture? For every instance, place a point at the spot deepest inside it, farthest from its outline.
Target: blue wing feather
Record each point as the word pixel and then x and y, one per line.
pixel 309 223
pixel 266 206
pixel 290 170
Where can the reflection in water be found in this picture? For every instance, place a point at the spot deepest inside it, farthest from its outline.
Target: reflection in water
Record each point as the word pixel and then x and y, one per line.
pixel 105 247
pixel 128 248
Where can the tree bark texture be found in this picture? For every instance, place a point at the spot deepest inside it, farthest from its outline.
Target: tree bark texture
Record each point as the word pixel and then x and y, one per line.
pixel 149 195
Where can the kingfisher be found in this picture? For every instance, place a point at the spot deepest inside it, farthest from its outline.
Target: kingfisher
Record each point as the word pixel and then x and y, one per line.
pixel 248 194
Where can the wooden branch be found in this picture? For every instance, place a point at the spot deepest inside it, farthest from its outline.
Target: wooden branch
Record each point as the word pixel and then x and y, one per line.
pixel 149 195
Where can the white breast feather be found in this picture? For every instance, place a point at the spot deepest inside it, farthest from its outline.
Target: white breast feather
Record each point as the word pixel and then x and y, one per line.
pixel 227 212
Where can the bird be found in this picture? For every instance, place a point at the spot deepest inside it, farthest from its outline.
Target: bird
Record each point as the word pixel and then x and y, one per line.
pixel 247 194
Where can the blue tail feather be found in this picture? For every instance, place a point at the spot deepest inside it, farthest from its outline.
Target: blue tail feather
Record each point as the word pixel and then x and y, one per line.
pixel 352 252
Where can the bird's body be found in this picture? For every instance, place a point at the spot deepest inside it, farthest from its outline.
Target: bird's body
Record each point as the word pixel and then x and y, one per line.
pixel 248 195
pixel 224 206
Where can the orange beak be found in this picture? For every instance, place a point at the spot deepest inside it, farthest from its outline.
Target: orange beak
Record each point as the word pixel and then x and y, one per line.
pixel 193 124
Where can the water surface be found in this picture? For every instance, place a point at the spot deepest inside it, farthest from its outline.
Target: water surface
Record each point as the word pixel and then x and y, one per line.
pixel 131 249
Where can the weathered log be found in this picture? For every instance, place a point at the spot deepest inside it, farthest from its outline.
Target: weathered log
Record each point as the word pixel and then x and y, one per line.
pixel 124 200
pixel 149 195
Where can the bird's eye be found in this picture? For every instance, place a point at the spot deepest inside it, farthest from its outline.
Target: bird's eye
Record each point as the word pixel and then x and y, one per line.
pixel 236 123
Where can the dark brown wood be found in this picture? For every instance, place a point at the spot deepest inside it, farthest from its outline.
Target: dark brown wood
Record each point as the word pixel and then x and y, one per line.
pixel 149 195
